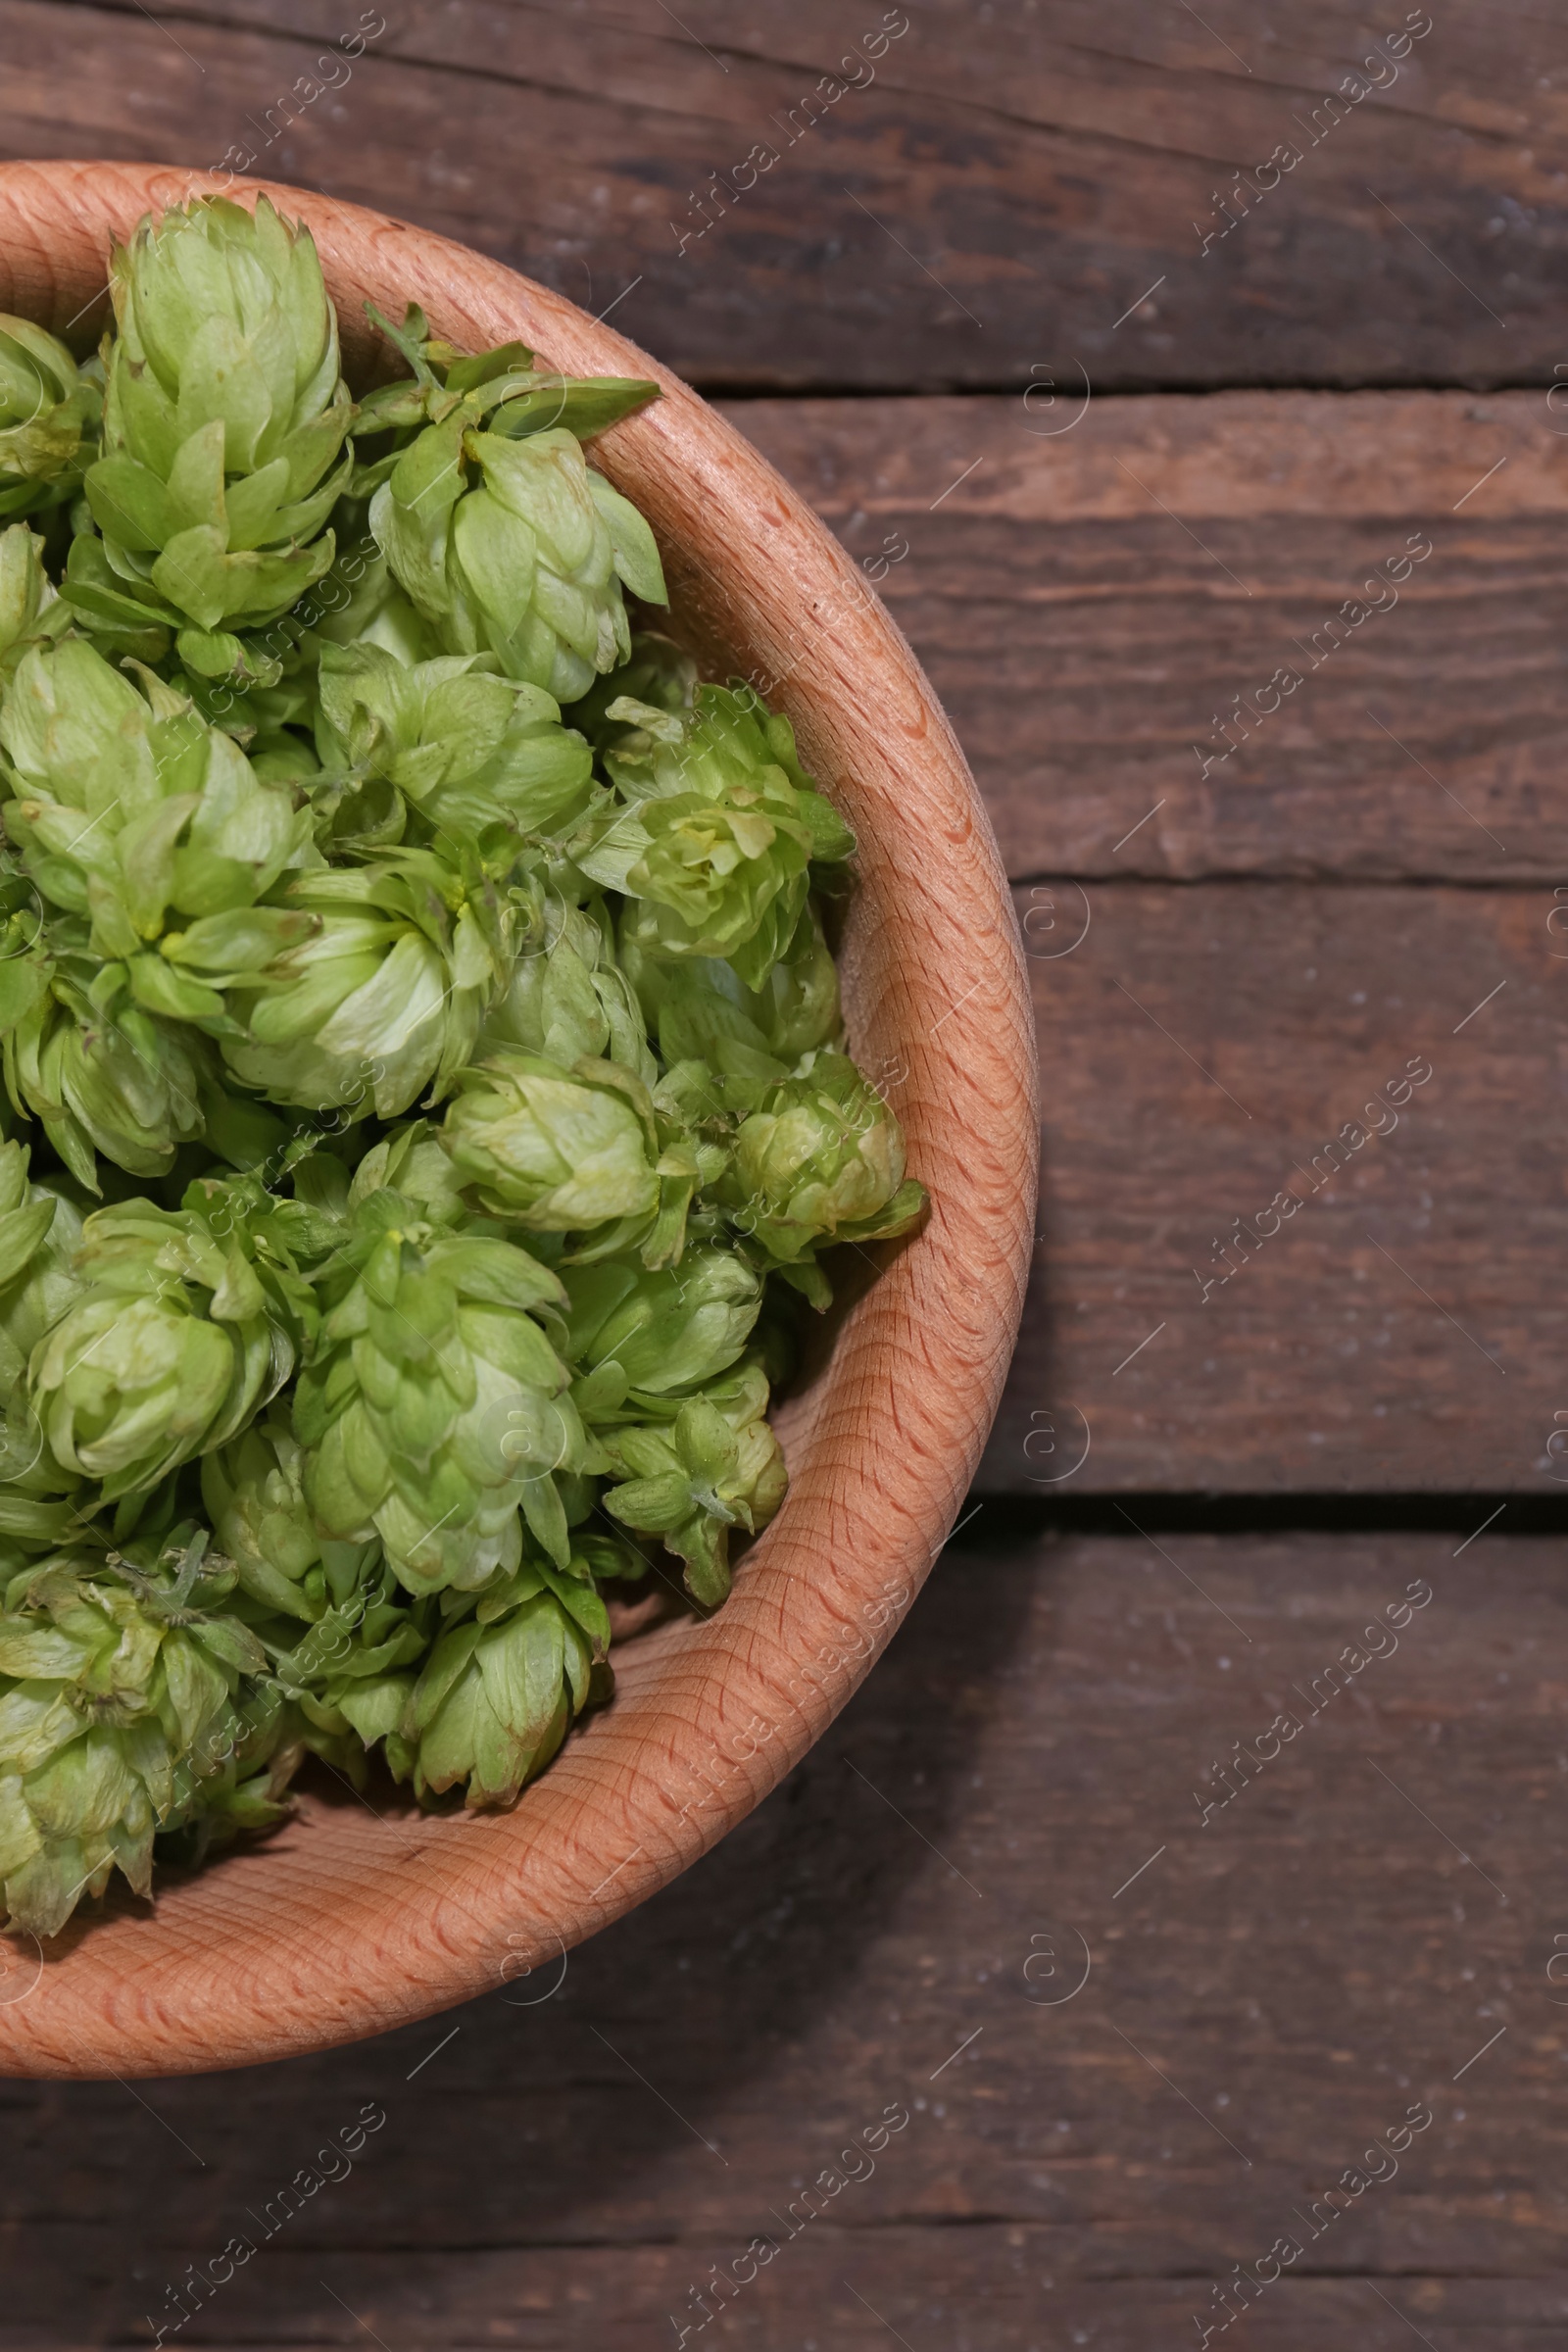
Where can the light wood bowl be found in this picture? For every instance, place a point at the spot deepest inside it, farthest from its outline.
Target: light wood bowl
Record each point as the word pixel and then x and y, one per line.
pixel 353 1920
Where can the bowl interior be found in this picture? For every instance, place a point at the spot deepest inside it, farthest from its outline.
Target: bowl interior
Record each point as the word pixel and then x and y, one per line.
pixel 359 1914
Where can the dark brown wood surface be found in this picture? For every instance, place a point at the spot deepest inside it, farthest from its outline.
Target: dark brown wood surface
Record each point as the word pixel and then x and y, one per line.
pixel 1273 1255
pixel 1208 1026
pixel 1094 585
pixel 1019 187
pixel 903 1927
pixel 1001 239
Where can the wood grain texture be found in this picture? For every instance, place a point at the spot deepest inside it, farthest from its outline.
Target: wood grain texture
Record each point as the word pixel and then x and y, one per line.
pixel 352 1920
pixel 1090 588
pixel 1085 602
pixel 1017 186
pixel 1268 1993
pixel 1201 1048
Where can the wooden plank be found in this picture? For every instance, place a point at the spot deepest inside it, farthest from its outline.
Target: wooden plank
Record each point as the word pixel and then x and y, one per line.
pixel 1399 1328
pixel 1094 590
pixel 1015 188
pixel 1269 1991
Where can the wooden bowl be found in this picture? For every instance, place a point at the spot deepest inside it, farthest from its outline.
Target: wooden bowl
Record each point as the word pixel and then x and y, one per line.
pixel 352 1919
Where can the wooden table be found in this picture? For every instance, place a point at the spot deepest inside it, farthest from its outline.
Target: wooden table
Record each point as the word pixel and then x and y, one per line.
pixel 1173 1935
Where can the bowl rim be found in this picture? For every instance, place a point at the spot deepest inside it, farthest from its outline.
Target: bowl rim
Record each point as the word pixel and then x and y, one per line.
pixel 340 1926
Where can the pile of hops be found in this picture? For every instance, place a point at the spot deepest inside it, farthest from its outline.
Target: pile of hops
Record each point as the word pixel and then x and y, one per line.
pixel 426 1101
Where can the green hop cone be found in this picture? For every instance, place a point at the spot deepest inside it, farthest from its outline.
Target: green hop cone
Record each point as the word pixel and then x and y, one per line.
pixel 568 996
pixel 586 1149
pixel 177 1337
pixel 49 408
pixel 127 808
pixel 821 1161
pixel 498 1696
pixel 723 825
pixel 434 1407
pixel 701 1009
pixel 99 1072
pixel 118 1690
pixel 254 1492
pixel 716 1466
pixel 224 417
pixel 384 996
pixel 516 548
pixel 559 1150
pixel 640 1337
pixel 470 750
